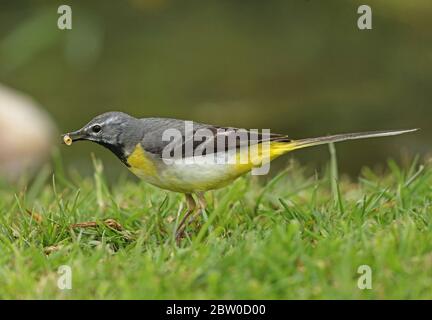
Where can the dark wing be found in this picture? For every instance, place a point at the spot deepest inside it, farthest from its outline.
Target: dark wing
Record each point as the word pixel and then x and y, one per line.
pixel 201 138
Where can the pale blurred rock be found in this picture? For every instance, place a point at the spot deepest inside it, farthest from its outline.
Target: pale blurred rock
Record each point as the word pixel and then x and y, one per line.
pixel 26 134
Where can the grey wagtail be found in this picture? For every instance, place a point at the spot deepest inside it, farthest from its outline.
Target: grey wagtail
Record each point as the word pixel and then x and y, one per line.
pixel 142 146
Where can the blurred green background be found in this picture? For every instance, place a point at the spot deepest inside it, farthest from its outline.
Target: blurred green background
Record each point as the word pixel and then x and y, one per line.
pixel 297 67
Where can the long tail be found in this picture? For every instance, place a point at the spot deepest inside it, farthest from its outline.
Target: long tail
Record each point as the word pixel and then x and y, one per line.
pixel 304 143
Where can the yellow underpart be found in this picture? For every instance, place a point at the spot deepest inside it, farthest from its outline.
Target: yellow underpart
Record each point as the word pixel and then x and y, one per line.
pixel 260 154
pixel 194 177
pixel 139 161
pixel 279 148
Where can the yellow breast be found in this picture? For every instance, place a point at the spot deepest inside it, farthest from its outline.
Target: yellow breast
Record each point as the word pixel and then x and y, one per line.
pixel 141 163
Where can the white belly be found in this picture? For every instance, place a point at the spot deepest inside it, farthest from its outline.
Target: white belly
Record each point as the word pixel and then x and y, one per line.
pixel 191 174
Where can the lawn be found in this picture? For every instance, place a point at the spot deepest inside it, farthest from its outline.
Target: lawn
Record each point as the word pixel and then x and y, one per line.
pixel 298 235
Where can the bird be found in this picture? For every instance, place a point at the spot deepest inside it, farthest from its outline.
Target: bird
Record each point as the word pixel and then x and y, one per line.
pixel 152 151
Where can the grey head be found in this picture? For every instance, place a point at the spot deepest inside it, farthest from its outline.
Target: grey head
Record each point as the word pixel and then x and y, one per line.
pixel 117 131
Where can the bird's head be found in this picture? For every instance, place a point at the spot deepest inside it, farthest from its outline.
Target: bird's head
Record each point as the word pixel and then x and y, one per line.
pixel 103 129
pixel 114 130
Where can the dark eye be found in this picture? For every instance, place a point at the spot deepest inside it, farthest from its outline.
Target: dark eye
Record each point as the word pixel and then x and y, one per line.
pixel 96 128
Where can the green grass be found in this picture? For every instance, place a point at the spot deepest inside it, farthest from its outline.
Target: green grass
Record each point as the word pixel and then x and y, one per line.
pixel 297 236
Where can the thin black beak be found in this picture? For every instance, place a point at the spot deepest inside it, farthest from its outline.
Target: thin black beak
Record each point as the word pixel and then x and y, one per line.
pixel 73 136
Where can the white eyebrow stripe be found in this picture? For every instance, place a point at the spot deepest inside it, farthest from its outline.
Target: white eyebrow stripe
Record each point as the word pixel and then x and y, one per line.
pixel 110 120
